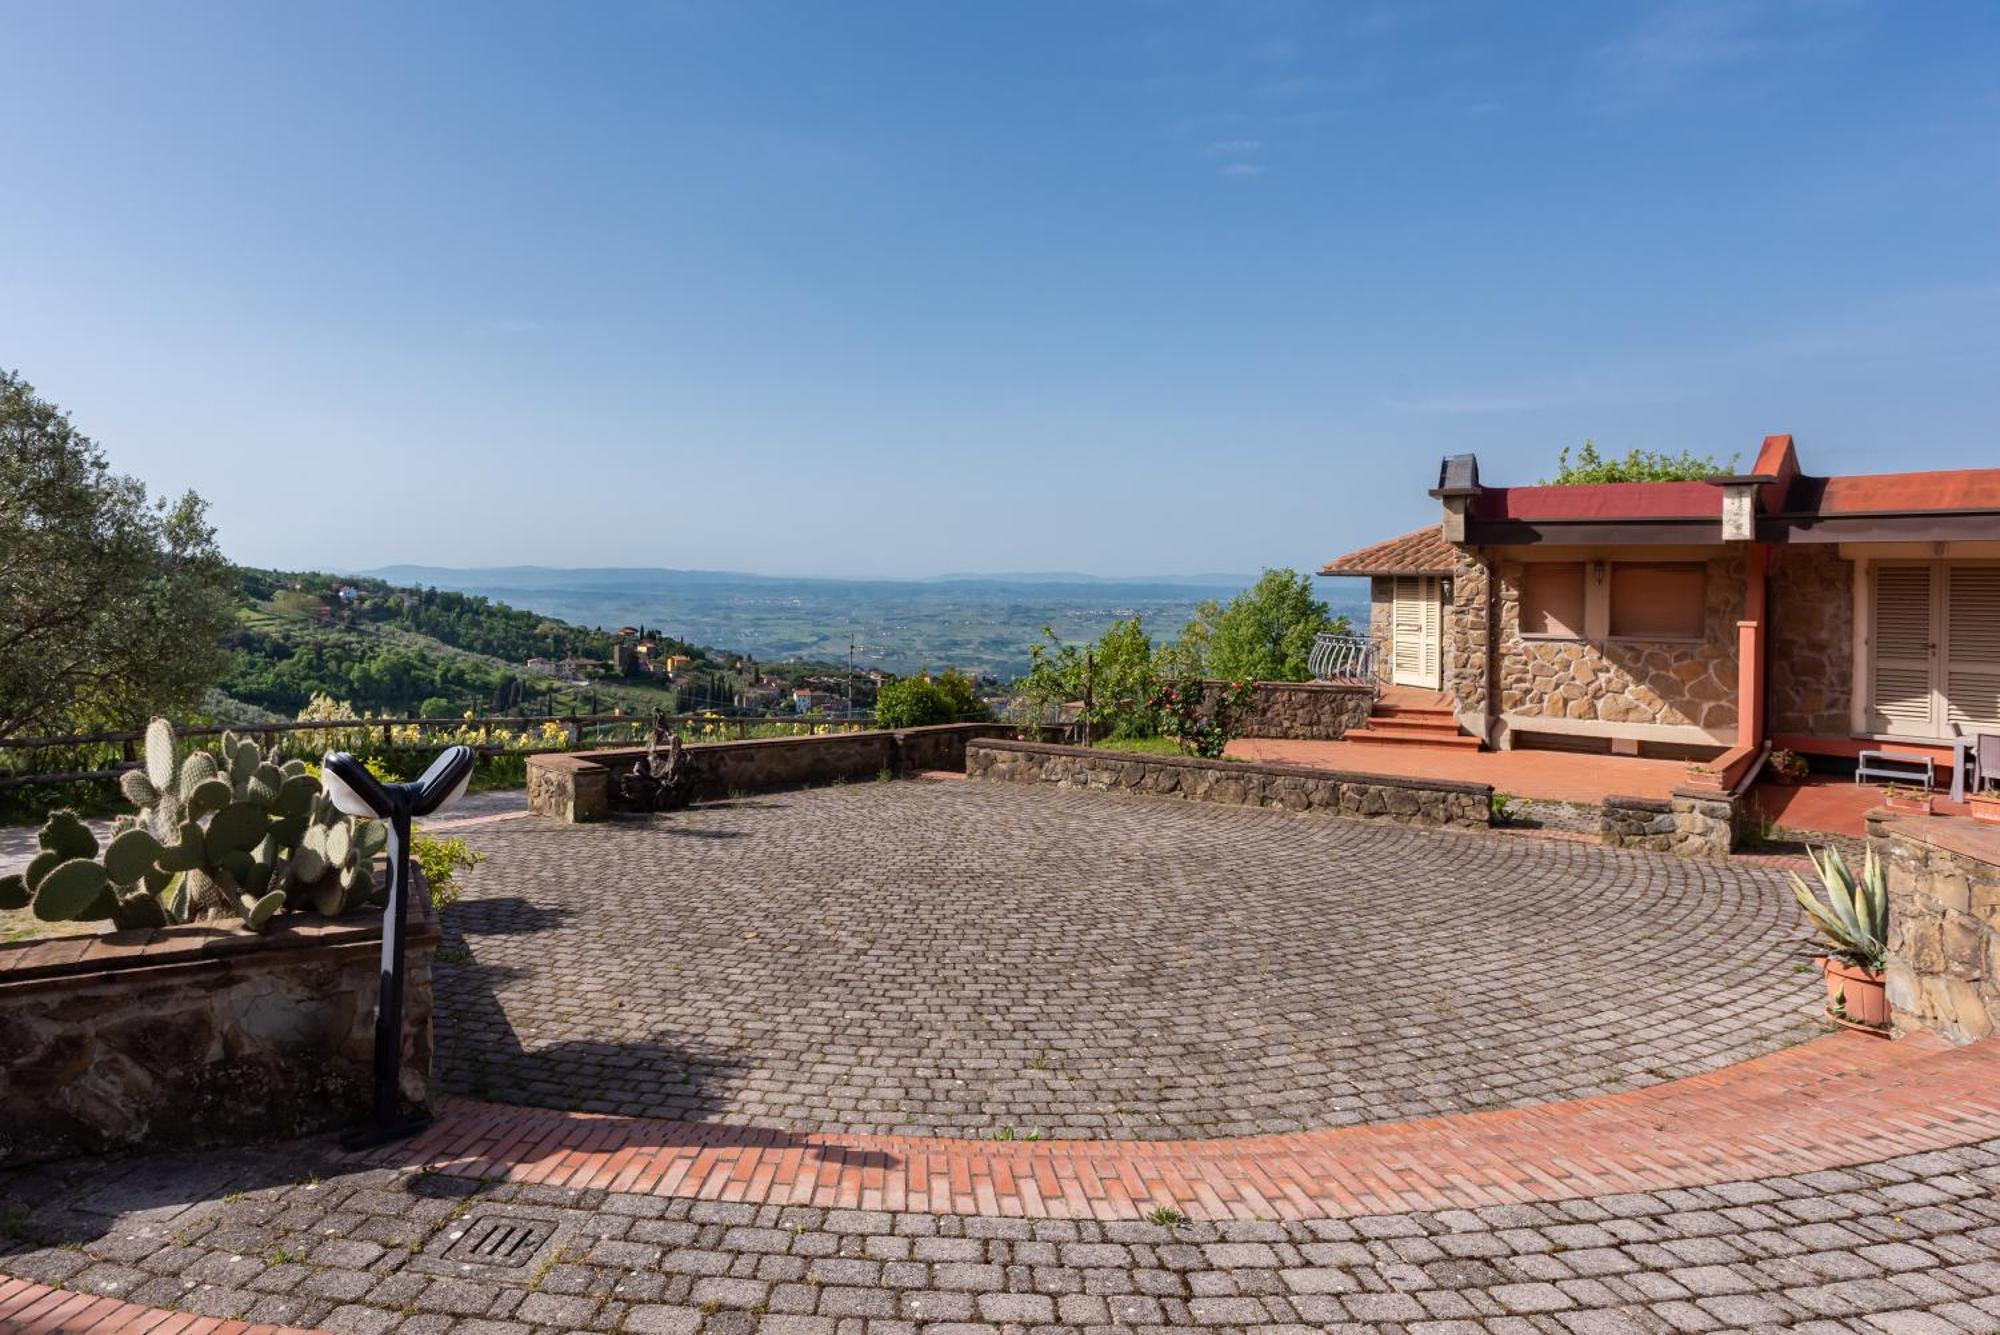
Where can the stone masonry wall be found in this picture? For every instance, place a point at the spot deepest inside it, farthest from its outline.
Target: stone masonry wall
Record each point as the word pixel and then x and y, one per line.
pixel 199 1035
pixel 1625 681
pixel 1944 924
pixel 1233 783
pixel 1812 640
pixel 1468 643
pixel 579 786
pixel 1314 711
pixel 1691 824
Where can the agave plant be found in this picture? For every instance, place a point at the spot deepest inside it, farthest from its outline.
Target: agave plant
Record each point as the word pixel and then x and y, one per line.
pixel 1854 916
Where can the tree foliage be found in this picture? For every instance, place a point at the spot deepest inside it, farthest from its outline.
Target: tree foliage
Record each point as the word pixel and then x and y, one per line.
pixel 1637 466
pixel 916 702
pixel 111 604
pixel 1264 633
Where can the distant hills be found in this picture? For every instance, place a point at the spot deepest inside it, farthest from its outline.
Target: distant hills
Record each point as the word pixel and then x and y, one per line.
pixel 974 621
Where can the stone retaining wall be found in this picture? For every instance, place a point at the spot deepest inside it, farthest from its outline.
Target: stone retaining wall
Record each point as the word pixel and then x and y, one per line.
pixel 1233 783
pixel 580 786
pixel 1693 823
pixel 1944 923
pixel 200 1035
pixel 1313 711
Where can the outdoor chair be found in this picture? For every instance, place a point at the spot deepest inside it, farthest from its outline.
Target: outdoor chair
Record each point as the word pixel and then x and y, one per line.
pixel 1985 761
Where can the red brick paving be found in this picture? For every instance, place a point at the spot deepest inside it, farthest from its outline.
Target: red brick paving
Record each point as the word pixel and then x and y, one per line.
pixel 1837 1100
pixel 1829 803
pixel 1555 776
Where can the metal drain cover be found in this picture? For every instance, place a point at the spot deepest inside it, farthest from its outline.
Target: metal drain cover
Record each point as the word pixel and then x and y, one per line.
pixel 508 1242
pixel 497 1241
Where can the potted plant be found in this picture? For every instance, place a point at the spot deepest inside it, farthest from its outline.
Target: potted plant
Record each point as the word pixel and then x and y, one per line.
pixel 1920 803
pixel 1984 804
pixel 1853 919
pixel 1785 767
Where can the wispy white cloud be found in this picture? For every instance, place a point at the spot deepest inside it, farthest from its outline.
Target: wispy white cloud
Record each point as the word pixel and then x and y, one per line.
pixel 1678 45
pixel 1234 148
pixel 1240 169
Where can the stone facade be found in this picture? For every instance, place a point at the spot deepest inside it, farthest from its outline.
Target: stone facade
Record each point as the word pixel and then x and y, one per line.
pixel 1811 607
pixel 1625 681
pixel 1944 924
pixel 1314 711
pixel 200 1035
pixel 578 787
pixel 1693 823
pixel 1233 783
pixel 1638 822
pixel 1468 644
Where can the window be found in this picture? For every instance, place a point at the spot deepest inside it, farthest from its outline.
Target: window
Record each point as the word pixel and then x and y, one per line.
pixel 1552 599
pixel 1657 602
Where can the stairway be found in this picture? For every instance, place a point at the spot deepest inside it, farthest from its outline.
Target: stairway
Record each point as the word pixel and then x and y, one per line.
pixel 1407 716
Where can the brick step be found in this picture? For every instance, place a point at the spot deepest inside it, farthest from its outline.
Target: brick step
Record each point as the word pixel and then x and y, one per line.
pixel 1402 735
pixel 1408 719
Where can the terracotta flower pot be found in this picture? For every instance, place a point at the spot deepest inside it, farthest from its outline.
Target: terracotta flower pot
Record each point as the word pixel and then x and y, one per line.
pixel 1985 806
pixel 1855 997
pixel 1921 806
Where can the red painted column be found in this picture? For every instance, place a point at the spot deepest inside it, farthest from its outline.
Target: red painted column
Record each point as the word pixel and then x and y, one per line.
pixel 1750 647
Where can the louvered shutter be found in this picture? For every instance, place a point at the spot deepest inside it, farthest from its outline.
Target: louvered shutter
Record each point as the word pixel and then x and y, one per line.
pixel 1972 646
pixel 1901 693
pixel 1432 636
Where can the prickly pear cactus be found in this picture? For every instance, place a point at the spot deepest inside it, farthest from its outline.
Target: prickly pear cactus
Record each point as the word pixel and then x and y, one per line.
pixel 229 833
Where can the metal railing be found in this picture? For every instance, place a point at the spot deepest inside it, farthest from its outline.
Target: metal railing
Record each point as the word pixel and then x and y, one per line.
pixel 1343 658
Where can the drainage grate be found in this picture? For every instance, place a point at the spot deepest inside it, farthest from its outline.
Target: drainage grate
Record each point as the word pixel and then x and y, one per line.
pixel 499 1241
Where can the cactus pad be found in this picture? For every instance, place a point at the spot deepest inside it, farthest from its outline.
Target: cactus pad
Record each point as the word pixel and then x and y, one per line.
pixel 68 836
pixel 130 857
pixel 68 892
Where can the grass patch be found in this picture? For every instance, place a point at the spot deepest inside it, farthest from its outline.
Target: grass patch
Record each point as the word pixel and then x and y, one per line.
pixel 1147 746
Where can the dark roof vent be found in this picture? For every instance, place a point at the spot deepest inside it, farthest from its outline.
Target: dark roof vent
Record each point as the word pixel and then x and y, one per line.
pixel 1458 475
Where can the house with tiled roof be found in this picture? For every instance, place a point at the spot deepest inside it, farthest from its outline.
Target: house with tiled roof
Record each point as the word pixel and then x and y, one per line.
pixel 1708 620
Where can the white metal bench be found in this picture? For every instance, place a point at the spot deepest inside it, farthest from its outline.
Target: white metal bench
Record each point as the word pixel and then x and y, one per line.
pixel 1897 767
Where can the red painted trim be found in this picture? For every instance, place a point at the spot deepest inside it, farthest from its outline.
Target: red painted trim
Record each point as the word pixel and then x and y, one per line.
pixel 1850 748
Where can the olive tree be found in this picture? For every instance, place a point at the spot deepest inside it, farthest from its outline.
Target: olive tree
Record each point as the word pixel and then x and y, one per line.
pixel 112 605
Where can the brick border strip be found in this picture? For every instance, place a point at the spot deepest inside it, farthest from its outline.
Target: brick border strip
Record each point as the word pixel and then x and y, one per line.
pixel 36 1309
pixel 1829 1103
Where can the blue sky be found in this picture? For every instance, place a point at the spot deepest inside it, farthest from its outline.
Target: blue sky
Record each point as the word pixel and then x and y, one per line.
pixel 864 289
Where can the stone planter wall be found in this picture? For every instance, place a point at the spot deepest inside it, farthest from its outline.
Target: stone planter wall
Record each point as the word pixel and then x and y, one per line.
pixel 200 1035
pixel 1314 711
pixel 1693 823
pixel 1944 923
pixel 580 786
pixel 1233 783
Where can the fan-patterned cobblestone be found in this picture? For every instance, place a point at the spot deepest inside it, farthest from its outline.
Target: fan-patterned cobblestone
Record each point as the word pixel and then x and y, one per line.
pixel 960 959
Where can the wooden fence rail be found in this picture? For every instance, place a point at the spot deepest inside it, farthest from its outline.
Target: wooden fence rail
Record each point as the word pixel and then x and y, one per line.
pixel 574 725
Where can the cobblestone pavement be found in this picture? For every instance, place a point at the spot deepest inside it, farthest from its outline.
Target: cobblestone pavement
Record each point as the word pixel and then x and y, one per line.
pixel 969 959
pixel 1908 1245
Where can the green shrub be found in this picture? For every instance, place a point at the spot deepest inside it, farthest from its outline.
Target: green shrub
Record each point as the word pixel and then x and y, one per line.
pixel 1638 466
pixel 916 702
pixel 441 860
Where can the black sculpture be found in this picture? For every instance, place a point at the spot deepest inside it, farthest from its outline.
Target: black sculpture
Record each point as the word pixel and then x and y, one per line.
pixel 659 782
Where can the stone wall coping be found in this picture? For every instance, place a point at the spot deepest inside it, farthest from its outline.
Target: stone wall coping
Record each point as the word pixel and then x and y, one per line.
pixel 584 760
pixel 1238 767
pixel 1952 834
pixel 1701 793
pixel 1323 687
pixel 1656 805
pixel 291 939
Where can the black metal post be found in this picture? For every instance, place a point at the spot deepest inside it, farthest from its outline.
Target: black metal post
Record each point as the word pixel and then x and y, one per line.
pixel 388 1122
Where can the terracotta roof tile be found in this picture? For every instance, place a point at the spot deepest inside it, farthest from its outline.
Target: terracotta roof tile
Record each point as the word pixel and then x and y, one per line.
pixel 1424 552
